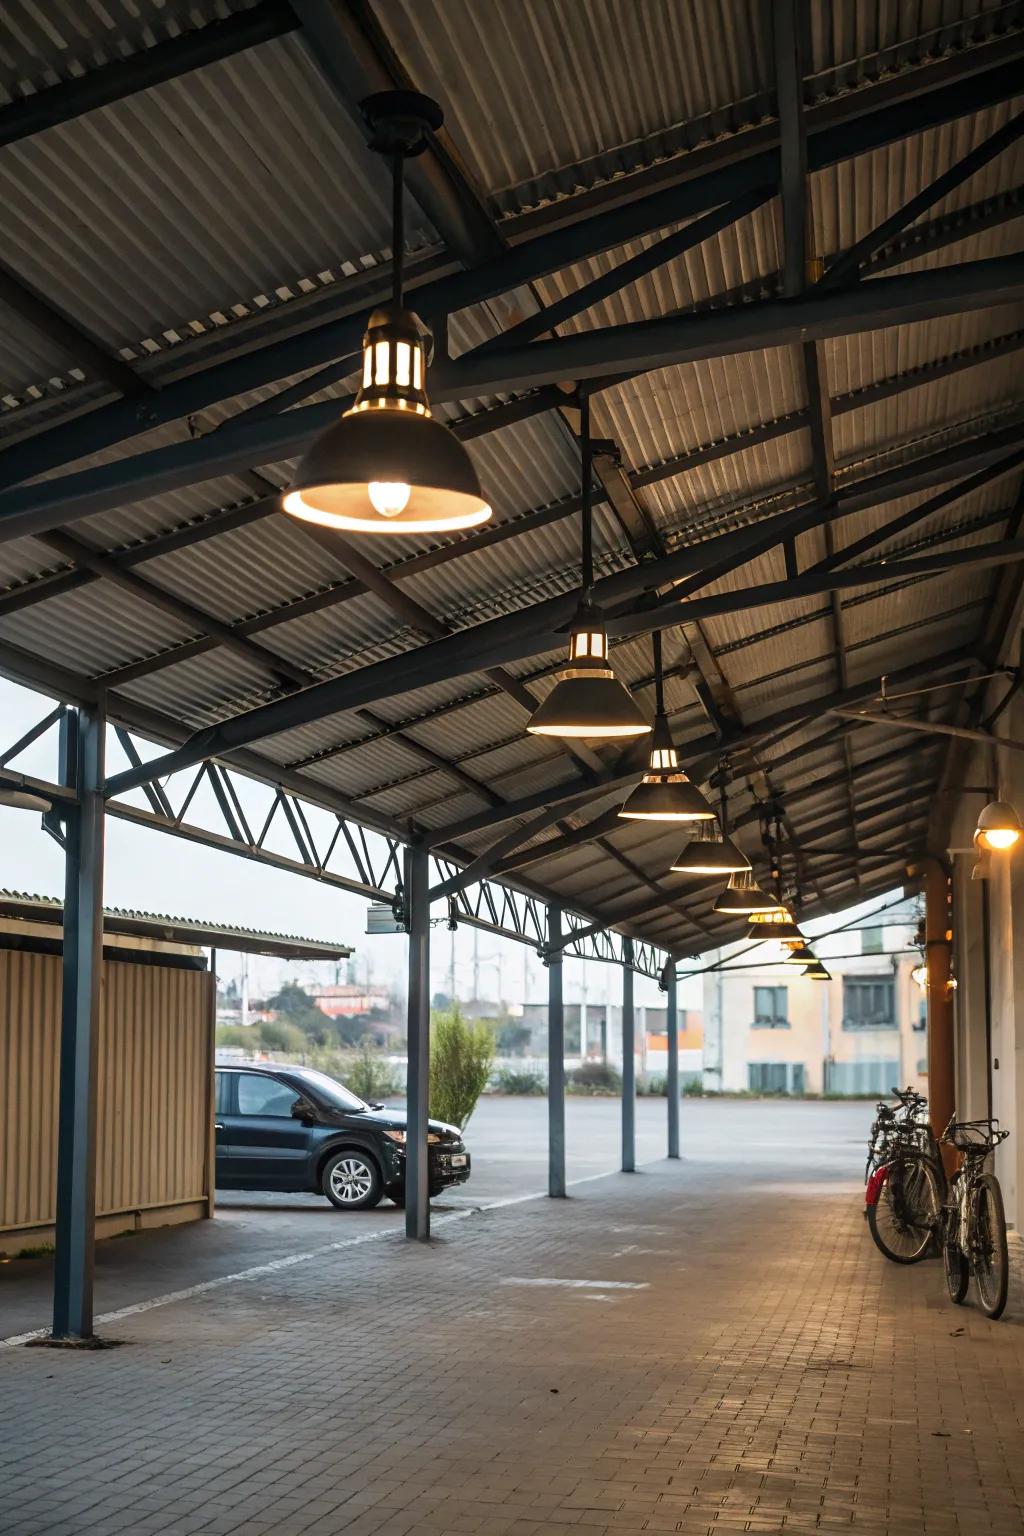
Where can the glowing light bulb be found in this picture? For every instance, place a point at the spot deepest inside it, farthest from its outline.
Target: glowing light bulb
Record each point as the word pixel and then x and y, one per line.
pixel 999 837
pixel 389 497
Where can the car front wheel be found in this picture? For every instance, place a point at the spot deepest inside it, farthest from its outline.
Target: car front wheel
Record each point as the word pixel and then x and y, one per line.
pixel 352 1181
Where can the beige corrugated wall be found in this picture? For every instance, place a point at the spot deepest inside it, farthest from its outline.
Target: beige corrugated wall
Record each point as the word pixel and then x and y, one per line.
pixel 153 1094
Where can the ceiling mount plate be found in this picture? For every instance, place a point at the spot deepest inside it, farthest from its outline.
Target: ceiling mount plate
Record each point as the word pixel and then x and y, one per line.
pixel 400 121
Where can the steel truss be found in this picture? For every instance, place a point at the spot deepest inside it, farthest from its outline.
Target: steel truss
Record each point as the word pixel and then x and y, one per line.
pixel 207 806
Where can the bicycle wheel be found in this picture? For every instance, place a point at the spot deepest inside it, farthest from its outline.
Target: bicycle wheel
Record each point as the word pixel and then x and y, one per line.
pixel 954 1263
pixel 991 1260
pixel 907 1212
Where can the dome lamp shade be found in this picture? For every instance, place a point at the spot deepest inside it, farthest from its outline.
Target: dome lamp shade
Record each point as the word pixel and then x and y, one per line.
pixel 776 924
pixel 664 793
pixel 999 827
pixel 743 895
pixel 13 798
pixel 709 852
pixel 387 466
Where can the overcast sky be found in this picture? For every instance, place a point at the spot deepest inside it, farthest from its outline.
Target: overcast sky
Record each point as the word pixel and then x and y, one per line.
pixel 153 872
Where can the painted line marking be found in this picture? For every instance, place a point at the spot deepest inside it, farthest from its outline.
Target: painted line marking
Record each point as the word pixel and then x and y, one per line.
pixel 581 1285
pixel 290 1260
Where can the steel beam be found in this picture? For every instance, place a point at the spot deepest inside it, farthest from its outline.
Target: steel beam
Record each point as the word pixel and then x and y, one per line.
pixel 556 1055
pixel 82 738
pixel 38 313
pixel 417 1183
pixel 856 124
pixel 672 1083
pixel 645 345
pixel 537 629
pixel 140 71
pixel 628 1062
pixel 847 266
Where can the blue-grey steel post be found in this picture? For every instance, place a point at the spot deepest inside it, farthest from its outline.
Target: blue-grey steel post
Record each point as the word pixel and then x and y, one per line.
pixel 628 1062
pixel 82 752
pixel 417 899
pixel 556 1057
pixel 672 1083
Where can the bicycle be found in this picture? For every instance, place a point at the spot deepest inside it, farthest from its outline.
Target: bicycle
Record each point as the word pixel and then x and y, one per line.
pixel 974 1225
pixel 906 1184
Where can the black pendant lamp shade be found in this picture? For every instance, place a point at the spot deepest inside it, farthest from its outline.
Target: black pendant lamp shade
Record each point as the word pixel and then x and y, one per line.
pixel 817 972
pixel 664 793
pixel 588 700
pixel 743 895
pixel 387 466
pixel 776 924
pixel 800 954
pixel 709 852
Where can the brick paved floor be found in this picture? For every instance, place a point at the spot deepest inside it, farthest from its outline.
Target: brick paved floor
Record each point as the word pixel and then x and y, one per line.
pixel 740 1358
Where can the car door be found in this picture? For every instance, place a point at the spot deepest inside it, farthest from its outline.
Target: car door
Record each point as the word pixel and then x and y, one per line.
pixel 266 1146
pixel 223 1102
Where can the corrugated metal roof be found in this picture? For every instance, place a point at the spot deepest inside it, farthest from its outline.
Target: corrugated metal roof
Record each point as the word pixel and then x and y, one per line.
pixel 239 203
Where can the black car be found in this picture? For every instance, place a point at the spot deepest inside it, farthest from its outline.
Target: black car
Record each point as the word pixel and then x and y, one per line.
pixel 292 1128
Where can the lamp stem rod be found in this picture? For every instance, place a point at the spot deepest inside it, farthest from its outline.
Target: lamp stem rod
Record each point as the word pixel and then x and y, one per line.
pixel 586 515
pixel 397 227
pixel 659 681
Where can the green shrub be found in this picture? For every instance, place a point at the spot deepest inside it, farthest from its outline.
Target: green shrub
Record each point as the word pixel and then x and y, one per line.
pixel 509 1080
pixel 652 1085
pixel 461 1057
pixel 279 1035
pixel 594 1077
pixel 242 1037
pixel 371 1075
pixel 693 1088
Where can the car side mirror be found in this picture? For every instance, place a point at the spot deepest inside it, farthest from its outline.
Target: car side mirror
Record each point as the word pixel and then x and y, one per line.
pixel 303 1110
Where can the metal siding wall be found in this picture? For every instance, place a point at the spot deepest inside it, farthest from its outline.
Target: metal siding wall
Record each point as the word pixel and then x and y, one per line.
pixel 154 1087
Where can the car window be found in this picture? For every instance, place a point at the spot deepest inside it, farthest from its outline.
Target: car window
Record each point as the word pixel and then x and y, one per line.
pixel 259 1095
pixel 223 1093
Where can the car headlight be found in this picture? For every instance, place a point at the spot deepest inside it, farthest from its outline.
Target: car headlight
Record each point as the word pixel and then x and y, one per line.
pixel 398 1136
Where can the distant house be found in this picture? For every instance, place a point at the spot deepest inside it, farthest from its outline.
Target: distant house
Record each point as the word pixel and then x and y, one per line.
pixel 348 1000
pixel 770 1029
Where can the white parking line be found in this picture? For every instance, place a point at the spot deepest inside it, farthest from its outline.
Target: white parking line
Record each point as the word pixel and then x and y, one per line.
pixel 580 1285
pixel 292 1259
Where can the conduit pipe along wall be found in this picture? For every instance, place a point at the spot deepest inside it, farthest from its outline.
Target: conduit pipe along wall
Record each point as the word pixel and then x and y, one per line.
pixel 938 956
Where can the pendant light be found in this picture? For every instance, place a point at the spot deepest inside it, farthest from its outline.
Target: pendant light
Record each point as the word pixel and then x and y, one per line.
pixel 664 793
pixel 387 466
pixel 777 923
pixel 15 799
pixel 588 699
pixel 817 972
pixel 710 850
pixel 800 953
pixel 999 827
pixel 743 895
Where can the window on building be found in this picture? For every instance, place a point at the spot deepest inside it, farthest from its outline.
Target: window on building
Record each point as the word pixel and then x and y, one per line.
pixel 771 1008
pixel 871 941
pixel 868 1002
pixel 921 1022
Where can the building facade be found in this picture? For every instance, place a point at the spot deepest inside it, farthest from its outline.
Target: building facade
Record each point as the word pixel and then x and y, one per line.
pixel 770 1029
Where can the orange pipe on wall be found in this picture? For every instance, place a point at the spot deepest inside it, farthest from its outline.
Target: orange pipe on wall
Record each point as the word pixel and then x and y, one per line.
pixel 938 955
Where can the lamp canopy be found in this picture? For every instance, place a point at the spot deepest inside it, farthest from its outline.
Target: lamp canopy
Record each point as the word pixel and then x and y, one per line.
pixel 387 466
pixel 999 827
pixel 708 852
pixel 743 895
pixel 665 793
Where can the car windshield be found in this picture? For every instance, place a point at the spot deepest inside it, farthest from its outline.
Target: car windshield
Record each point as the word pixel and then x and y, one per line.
pixel 327 1090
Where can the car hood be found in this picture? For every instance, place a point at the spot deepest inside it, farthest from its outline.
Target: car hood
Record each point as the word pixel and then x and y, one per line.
pixel 396 1119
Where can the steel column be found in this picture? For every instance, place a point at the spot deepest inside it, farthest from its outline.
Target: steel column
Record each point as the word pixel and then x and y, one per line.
pixel 417 897
pixel 556 1056
pixel 82 749
pixel 628 1062
pixel 672 1084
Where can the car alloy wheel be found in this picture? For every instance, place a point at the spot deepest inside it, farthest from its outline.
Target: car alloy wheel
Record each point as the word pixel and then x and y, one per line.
pixel 351 1180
